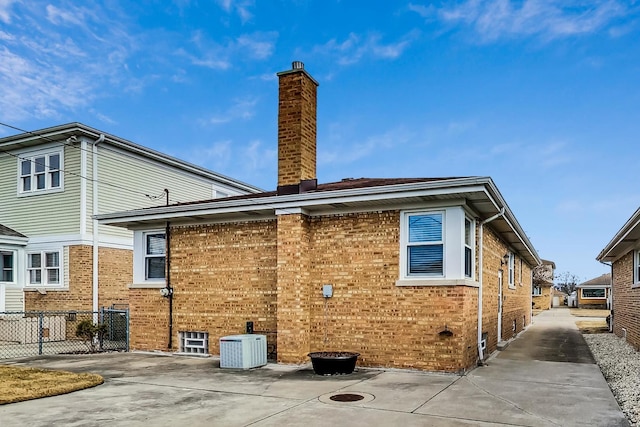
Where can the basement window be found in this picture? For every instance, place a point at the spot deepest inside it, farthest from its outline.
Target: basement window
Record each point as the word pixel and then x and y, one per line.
pixel 196 343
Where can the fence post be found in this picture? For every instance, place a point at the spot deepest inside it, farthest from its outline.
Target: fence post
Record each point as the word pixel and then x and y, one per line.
pixel 40 332
pixel 127 336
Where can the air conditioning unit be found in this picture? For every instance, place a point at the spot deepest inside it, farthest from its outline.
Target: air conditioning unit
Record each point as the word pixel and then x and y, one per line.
pixel 243 351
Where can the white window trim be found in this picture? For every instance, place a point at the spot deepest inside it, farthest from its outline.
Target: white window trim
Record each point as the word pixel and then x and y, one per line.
pixel 14 268
pixel 472 246
pixel 453 250
pixel 43 268
pixel 511 270
pixel 139 256
pixel 31 156
pixel 636 269
pixel 539 290
pixel 590 289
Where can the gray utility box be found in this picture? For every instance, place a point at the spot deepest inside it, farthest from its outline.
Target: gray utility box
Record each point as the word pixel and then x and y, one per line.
pixel 243 351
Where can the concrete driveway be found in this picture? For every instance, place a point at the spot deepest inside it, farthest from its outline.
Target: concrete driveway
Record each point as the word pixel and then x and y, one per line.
pixel 546 377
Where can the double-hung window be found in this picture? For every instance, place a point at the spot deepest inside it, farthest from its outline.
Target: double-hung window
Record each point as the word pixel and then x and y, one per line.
pixel 7 266
pixel 40 172
pixel 536 290
pixel 512 267
pixel 43 268
pixel 636 267
pixel 154 256
pixel 468 247
pixel 425 244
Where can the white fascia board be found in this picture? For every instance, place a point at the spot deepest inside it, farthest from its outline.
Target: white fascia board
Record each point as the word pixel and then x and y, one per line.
pixel 630 226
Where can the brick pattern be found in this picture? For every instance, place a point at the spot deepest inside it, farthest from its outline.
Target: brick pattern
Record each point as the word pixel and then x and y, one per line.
pixel 543 301
pixel 296 128
pixel 294 288
pixel 115 274
pixel 272 272
pixel 223 275
pixel 516 302
pixel 626 301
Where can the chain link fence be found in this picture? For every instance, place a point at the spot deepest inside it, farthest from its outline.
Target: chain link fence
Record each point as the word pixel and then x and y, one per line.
pixel 34 333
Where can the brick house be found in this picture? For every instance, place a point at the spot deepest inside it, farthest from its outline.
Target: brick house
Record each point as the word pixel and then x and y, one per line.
pixel 425 273
pixel 623 253
pixel 52 182
pixel 595 293
pixel 542 289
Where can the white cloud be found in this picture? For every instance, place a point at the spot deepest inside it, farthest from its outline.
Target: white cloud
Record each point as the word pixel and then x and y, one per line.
pixel 256 157
pixel 242 109
pixel 58 16
pixel 547 19
pixel 356 47
pixel 211 54
pixel 348 153
pixel 217 156
pixel 5 14
pixel 241 7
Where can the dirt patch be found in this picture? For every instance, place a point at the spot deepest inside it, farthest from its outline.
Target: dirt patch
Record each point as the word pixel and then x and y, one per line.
pixel 592 326
pixel 19 384
pixel 589 312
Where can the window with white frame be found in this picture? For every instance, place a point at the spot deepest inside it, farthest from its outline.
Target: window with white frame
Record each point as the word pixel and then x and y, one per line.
pixel 512 266
pixel 425 244
pixel 636 266
pixel 43 268
pixel 468 247
pixel 536 290
pixel 594 293
pixel 436 247
pixel 7 266
pixel 154 256
pixel 40 172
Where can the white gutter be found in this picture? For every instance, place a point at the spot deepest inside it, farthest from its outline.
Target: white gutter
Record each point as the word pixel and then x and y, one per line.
pixel 480 262
pixel 94 230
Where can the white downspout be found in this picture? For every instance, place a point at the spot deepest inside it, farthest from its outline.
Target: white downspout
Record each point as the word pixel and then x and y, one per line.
pixel 480 263
pixel 94 230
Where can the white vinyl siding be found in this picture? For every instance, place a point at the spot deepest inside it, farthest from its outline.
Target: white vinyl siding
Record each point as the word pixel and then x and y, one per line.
pixel 14 298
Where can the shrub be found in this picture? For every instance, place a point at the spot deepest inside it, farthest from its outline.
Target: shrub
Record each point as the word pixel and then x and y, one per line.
pixel 91 333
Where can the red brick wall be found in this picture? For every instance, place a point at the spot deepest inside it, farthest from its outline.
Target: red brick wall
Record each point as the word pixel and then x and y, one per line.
pixel 626 301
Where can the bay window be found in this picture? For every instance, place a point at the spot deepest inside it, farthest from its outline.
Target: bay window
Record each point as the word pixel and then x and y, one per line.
pixel 436 247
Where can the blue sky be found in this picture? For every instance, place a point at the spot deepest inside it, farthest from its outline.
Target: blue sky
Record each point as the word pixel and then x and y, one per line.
pixel 543 96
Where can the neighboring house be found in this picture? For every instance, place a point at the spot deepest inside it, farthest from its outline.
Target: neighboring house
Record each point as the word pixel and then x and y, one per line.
pixel 595 293
pixel 52 182
pixel 426 273
pixel 623 252
pixel 541 291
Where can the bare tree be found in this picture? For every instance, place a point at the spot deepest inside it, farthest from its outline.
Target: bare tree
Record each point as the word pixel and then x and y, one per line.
pixel 543 275
pixel 567 281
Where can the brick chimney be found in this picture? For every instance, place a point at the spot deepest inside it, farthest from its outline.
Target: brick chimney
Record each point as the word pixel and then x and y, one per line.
pixel 296 130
